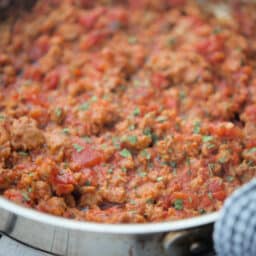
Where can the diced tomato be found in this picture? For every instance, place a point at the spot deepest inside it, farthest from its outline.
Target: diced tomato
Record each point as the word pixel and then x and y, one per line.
pixel 159 81
pixel 36 98
pixel 51 80
pixel 63 181
pixel 40 47
pixel 212 48
pixel 88 20
pixel 14 195
pixel 33 73
pixel 119 15
pixel 205 202
pixel 215 184
pixel 175 3
pixel 220 195
pixel 88 157
pixel 88 175
pixel 93 39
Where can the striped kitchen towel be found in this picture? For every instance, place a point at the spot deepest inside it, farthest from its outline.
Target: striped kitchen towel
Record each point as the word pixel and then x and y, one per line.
pixel 235 231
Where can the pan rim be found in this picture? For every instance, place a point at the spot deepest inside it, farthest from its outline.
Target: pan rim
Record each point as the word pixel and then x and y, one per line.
pixel 132 229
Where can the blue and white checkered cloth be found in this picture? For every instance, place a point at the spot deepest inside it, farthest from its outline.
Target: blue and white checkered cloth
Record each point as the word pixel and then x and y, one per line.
pixel 235 231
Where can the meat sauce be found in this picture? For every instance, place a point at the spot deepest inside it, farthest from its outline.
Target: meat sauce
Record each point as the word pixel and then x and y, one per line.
pixel 127 111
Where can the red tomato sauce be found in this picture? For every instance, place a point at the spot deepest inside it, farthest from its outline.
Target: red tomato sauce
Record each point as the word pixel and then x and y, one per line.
pixel 127 111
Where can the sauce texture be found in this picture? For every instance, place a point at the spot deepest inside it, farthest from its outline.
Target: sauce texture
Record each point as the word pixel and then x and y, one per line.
pixel 127 111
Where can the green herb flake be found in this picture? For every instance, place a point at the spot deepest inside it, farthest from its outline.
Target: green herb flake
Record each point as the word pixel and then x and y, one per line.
pixel 142 174
pixel 110 171
pixel 223 160
pixel 66 131
pixel 132 127
pixel 30 189
pixel 210 146
pixel 85 106
pixel 58 112
pixel 197 127
pixel 230 178
pixel 202 211
pixel 178 204
pixel 132 202
pixel 173 164
pixel 2 117
pixel 87 139
pixel 217 31
pixel 136 111
pixel 124 169
pixel 252 150
pixel 182 95
pixel 93 99
pixel 78 148
pixel 132 40
pixel 161 119
pixel 132 139
pixel 25 196
pixel 23 153
pixel 160 178
pixel 87 183
pixel 171 41
pixel 211 167
pixel 150 201
pixel 125 153
pixel 146 154
pixel 207 138
pixel 147 131
pixel 210 195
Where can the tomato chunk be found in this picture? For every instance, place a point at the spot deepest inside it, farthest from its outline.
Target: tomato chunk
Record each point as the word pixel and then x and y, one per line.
pixel 86 157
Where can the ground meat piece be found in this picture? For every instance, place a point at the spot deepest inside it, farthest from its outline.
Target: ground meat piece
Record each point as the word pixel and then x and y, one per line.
pixel 25 134
pixel 42 190
pixel 5 148
pixel 54 205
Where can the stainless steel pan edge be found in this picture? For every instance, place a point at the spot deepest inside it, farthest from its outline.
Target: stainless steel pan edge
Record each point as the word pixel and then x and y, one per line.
pixel 74 238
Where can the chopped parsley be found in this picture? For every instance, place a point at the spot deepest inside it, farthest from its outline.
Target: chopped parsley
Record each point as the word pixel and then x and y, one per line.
pixel 147 131
pixel 202 211
pixel 125 153
pixel 229 178
pixel 132 40
pixel 173 164
pixel 110 171
pixel 136 111
pixel 23 153
pixel 211 167
pixel 207 138
pixel 87 139
pixel 58 112
pixel 132 127
pixel 84 106
pixel 146 154
pixel 178 204
pixel 124 169
pixel 142 174
pixel 25 196
pixel 150 201
pixel 78 148
pixel 66 131
pixel 87 183
pixel 132 139
pixel 2 117
pixel 197 127
pixel 252 150
pixel 161 119
pixel 217 31
pixel 171 41
pixel 160 178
